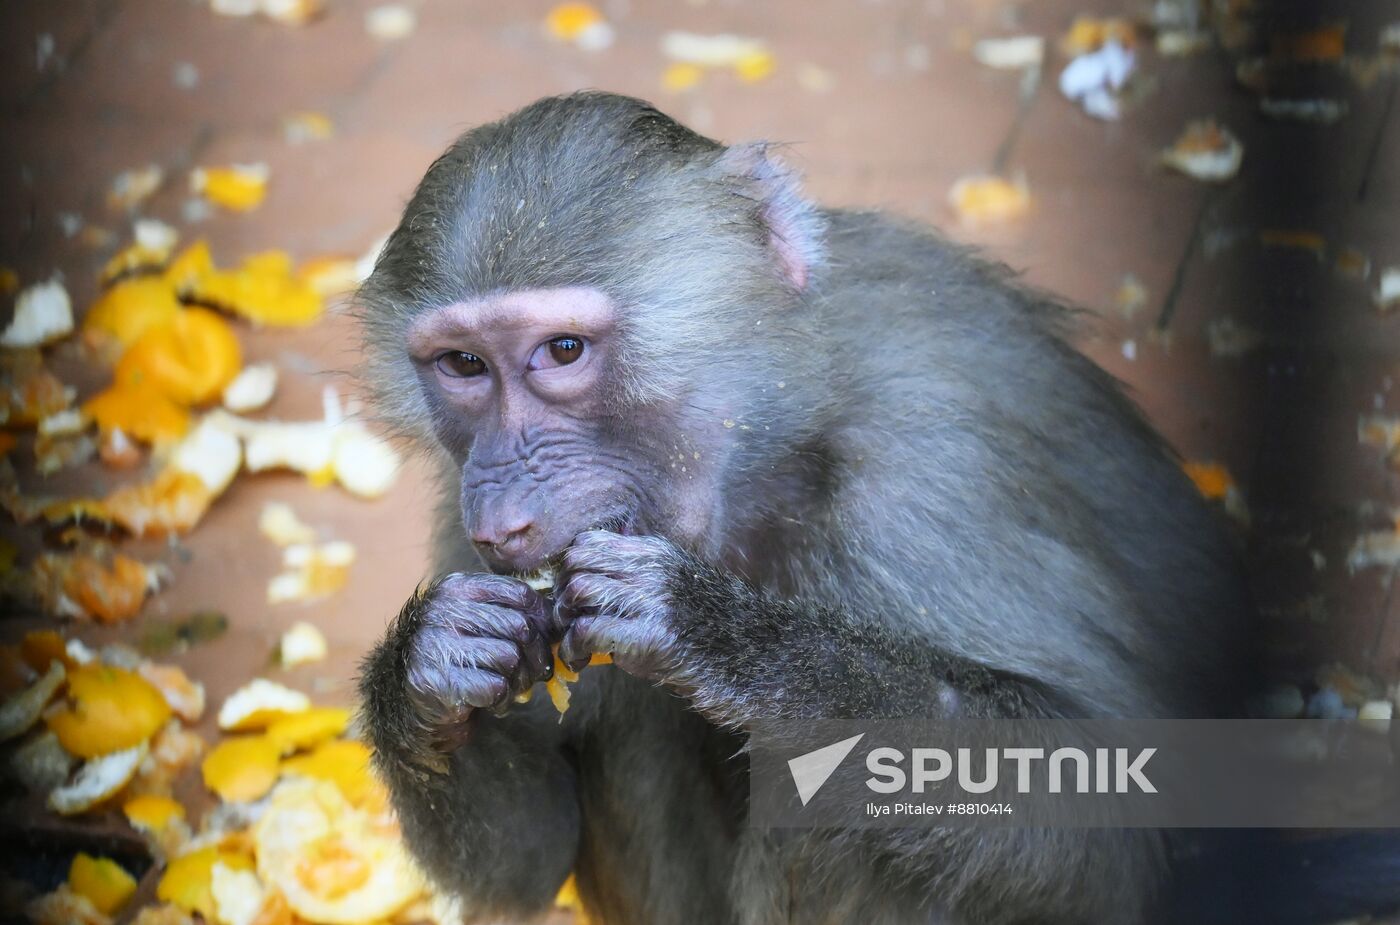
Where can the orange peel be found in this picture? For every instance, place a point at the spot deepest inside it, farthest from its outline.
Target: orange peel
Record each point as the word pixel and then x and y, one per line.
pixel 108 710
pixel 243 768
pixel 152 812
pixel 333 862
pixel 131 306
pixel 258 704
pixel 345 763
pixel 191 357
pixel 187 881
pixel 104 882
pixel 265 289
pixel 108 590
pixel 309 728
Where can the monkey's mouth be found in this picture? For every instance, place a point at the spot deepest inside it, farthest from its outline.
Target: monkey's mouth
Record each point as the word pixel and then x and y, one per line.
pixel 543 578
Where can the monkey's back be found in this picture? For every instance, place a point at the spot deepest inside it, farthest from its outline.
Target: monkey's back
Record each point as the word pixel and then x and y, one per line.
pixel 1046 527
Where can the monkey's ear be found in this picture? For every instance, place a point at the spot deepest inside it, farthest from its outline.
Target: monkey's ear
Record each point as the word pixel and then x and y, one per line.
pixel 795 227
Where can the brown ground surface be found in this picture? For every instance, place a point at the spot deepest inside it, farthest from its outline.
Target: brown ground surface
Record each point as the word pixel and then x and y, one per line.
pixel 904 113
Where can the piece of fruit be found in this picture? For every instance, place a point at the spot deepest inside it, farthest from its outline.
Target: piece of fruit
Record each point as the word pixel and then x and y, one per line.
pixel 191 357
pixel 558 685
pixel 97 780
pixel 29 392
pixel 302 644
pixel 21 711
pixel 311 572
pixel 64 907
pixel 135 260
pixel 364 464
pixel 108 710
pixel 191 264
pixel 258 703
pixel 1205 151
pixel 126 310
pixel 104 882
pixel 237 187
pixel 142 411
pixel 40 648
pixel 132 187
pixel 239 896
pixel 242 768
pixel 345 763
pixel 1212 479
pixel 279 523
pixel 188 879
pixel 309 728
pixel 568 20
pixel 334 863
pixel 186 697
pixel 265 289
pixel 108 589
pixel 251 389
pixel 990 199
pixel 43 314
pixel 152 812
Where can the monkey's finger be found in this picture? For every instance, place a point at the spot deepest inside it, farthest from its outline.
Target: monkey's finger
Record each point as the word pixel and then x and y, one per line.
pixel 628 639
pixel 442 691
pixel 474 619
pixel 486 588
pixel 499 655
pixel 588 591
pixel 613 554
pixel 484 689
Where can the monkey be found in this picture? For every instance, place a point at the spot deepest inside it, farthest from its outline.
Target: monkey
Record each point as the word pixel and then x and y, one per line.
pixel 784 462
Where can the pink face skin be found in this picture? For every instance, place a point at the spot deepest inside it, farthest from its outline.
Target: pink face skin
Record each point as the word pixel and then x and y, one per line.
pixel 518 381
pixel 511 334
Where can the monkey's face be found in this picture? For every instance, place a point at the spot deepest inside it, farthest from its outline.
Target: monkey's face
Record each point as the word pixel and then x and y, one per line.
pixel 525 395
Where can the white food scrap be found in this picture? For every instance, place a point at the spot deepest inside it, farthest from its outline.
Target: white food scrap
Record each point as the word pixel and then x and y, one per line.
pixel 302 644
pixel 258 702
pixel 311 572
pixel 279 523
pixel 1013 53
pixel 251 389
pixel 43 314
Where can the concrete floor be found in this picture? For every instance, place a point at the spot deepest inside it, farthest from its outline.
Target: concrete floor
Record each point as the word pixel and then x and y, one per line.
pixel 882 106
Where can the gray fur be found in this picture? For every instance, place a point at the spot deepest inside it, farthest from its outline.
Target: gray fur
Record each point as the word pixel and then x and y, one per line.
pixel 918 497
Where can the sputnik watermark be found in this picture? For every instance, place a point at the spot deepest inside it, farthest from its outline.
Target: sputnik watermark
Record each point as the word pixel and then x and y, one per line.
pixel 931 766
pixel 1071 773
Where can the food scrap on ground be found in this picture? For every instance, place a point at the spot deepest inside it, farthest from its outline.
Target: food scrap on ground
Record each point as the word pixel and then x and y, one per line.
pixel 303 643
pixel 43 314
pixel 693 55
pixel 580 24
pixel 1206 151
pixel 987 199
pixel 237 187
pixel 1010 53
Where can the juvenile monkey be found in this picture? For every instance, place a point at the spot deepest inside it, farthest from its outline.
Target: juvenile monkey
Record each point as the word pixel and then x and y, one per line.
pixel 786 462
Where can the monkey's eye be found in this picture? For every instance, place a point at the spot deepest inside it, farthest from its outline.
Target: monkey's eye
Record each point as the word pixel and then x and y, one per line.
pixel 458 364
pixel 561 351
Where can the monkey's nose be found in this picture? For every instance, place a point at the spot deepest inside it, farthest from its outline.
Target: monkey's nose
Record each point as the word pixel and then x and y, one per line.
pixel 504 537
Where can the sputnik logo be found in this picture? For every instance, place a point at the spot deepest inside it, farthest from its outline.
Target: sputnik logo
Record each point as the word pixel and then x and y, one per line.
pixel 811 771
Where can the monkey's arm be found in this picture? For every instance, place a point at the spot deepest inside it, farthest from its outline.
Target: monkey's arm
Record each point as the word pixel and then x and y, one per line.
pixel 494 820
pixel 742 655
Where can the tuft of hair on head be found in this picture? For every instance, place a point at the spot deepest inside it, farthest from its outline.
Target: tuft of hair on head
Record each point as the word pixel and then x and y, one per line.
pixel 795 228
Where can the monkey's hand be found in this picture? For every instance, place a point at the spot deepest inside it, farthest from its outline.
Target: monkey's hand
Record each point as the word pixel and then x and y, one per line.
pixel 618 594
pixel 460 645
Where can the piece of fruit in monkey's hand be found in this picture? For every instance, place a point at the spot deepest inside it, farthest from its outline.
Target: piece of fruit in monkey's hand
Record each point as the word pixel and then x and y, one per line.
pixel 558 684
